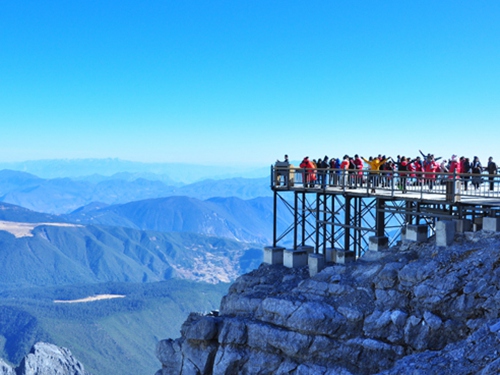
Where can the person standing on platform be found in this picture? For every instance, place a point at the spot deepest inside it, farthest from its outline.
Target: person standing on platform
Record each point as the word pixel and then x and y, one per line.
pixel 344 166
pixel 403 173
pixel 465 168
pixel 430 167
pixel 309 175
pixel 374 164
pixel 359 167
pixel 492 171
pixel 334 171
pixel 477 169
pixel 282 169
pixel 419 170
pixel 454 167
pixel 352 173
pixel 323 171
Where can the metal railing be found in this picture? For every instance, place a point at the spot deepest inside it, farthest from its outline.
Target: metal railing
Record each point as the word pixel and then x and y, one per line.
pixel 452 185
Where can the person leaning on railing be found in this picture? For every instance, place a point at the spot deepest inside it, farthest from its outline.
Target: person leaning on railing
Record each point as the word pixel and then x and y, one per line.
pixel 492 171
pixel 282 169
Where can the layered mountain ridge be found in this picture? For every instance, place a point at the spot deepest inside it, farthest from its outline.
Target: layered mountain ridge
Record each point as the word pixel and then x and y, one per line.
pixel 64 195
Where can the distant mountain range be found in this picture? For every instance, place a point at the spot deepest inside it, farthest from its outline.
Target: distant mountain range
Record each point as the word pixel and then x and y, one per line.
pixel 169 173
pixel 64 195
pixel 168 237
pixel 232 218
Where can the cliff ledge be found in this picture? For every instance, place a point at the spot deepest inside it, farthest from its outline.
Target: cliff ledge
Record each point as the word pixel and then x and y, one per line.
pixel 414 309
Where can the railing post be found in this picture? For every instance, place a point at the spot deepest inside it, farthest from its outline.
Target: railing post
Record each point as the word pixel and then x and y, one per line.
pixel 454 188
pixel 275 206
pixel 392 182
pixel 367 184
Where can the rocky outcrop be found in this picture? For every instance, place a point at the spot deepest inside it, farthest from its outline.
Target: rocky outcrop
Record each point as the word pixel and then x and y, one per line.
pixel 45 359
pixel 5 369
pixel 415 309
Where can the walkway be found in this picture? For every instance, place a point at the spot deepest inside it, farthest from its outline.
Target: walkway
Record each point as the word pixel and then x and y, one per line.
pixel 420 185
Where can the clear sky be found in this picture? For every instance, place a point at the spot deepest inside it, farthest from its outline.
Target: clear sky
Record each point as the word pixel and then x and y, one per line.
pixel 246 81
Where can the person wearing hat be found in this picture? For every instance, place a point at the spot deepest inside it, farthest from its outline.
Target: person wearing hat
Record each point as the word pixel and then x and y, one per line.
pixel 454 167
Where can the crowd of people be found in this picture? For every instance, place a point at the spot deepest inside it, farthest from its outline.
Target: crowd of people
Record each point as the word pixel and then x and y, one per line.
pixel 425 168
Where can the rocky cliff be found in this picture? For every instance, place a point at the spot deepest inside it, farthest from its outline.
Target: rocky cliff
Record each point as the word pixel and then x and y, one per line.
pixel 45 359
pixel 415 309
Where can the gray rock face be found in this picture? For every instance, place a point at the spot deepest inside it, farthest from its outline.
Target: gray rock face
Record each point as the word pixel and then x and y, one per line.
pixel 5 369
pixel 418 309
pixel 45 359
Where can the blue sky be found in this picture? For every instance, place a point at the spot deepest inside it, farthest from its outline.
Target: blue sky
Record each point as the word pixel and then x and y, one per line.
pixel 243 82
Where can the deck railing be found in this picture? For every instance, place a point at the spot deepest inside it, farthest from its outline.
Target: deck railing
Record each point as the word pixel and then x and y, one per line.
pixel 452 185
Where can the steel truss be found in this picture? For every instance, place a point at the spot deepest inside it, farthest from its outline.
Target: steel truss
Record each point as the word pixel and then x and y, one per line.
pixel 323 219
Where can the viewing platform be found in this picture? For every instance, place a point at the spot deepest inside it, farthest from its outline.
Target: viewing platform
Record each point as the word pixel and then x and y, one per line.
pixel 337 215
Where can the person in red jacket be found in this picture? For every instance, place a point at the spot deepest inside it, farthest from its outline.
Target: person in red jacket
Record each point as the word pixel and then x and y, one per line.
pixel 454 167
pixel 465 169
pixel 309 174
pixel 430 167
pixel 411 172
pixel 359 167
pixel 403 168
pixel 419 169
pixel 344 166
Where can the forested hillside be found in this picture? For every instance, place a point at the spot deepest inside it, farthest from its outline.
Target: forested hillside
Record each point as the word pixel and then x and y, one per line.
pixel 113 336
pixel 233 218
pixel 56 255
pixel 146 253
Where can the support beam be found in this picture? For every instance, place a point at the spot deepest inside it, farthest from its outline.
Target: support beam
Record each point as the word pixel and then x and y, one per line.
pixel 355 221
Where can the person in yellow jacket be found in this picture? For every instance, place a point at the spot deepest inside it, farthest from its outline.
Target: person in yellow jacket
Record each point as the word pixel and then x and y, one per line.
pixel 374 164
